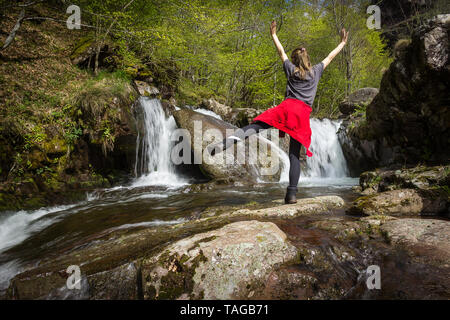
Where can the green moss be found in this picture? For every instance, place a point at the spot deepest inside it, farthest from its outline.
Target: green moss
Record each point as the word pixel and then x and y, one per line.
pixel 365 202
pixel 446 189
pixel 180 279
pixel 260 238
pixel 197 243
pixel 55 146
pixel 36 202
pixel 82 45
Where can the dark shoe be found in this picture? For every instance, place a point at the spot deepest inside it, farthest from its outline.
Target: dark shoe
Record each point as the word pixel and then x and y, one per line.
pixel 290 195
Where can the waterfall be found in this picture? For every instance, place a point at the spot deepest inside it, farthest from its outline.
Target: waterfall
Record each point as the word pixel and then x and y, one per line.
pixel 328 160
pixel 153 164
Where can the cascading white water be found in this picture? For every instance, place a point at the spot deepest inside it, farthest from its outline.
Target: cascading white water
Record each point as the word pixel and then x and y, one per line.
pixel 153 163
pixel 208 113
pixel 328 160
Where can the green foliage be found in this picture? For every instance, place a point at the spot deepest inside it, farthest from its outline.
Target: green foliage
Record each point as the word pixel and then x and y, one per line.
pixel 72 133
pixel 223 48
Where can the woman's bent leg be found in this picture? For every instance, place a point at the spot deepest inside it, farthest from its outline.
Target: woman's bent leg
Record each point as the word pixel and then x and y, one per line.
pixel 240 134
pixel 251 129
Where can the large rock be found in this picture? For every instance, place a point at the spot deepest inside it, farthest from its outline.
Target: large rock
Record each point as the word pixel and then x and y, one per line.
pixel 412 253
pixel 358 99
pixel 232 262
pixel 145 89
pixel 226 166
pixel 361 154
pixel 116 284
pixel 409 120
pixel 243 116
pixel 109 263
pixel 420 177
pixel 429 239
pixel 239 117
pixel 222 110
pixel 306 206
pixel 419 190
pixel 402 202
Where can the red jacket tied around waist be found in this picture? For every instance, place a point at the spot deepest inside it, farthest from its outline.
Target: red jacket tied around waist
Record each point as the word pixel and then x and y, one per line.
pixel 292 117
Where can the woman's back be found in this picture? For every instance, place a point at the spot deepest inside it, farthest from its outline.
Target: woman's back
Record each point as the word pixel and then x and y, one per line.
pixel 302 89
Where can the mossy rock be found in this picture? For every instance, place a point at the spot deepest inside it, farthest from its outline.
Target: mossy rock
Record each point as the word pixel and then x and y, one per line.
pixel 83 49
pixel 226 263
pixel 56 147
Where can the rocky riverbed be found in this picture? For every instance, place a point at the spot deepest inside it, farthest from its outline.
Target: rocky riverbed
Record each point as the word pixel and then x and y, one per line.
pixel 264 249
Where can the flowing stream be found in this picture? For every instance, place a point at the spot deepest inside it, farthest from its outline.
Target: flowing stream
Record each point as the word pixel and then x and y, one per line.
pixel 159 195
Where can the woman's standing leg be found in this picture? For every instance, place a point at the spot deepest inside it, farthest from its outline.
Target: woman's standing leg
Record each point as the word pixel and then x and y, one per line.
pixel 294 170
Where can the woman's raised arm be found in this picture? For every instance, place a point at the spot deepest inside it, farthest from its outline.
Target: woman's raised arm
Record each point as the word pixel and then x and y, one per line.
pixel 334 53
pixel 280 49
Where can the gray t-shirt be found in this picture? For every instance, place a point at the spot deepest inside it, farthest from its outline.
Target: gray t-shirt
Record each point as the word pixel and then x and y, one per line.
pixel 304 90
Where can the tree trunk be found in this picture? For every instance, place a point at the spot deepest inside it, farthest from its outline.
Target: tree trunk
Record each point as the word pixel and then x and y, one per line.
pixel 97 55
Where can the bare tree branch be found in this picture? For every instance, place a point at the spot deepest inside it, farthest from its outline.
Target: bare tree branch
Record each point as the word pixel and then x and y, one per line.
pixel 14 30
pixel 22 5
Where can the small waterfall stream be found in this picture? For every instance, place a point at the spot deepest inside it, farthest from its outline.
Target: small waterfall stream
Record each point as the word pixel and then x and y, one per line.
pixel 153 164
pixel 328 160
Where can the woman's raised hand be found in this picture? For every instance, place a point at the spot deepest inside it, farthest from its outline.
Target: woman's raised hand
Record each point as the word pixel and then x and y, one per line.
pixel 344 35
pixel 273 27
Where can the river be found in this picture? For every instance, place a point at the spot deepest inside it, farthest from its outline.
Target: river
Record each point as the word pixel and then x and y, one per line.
pixel 158 195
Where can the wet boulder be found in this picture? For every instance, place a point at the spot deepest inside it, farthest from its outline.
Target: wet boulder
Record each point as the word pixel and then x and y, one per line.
pixel 307 206
pixel 420 177
pixel 408 202
pixel 222 110
pixel 358 99
pixel 243 116
pixel 232 262
pixel 241 162
pixel 427 239
pixel 145 89
pixel 420 190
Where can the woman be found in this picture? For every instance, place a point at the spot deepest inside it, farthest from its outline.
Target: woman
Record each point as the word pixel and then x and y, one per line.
pixel 292 115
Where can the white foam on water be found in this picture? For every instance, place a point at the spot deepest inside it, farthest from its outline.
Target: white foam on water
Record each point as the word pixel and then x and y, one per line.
pixel 344 182
pixel 159 179
pixel 150 224
pixel 22 224
pixel 208 113
pixel 7 271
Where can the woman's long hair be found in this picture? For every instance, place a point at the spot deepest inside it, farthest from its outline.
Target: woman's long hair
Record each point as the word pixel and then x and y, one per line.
pixel 301 61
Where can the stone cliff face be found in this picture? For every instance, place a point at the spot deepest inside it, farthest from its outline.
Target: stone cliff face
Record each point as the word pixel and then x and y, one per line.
pixel 408 121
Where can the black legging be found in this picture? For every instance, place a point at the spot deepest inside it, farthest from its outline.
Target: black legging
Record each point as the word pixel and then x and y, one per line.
pixel 294 149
